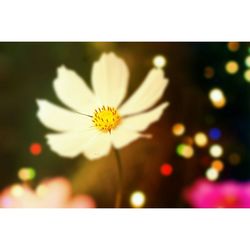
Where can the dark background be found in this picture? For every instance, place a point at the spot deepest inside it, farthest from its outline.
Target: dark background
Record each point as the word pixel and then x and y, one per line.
pixel 28 69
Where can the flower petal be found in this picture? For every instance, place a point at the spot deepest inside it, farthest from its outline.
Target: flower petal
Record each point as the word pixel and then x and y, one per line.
pixel 60 119
pixel 70 144
pixel 150 91
pixel 110 79
pixel 73 91
pixel 98 146
pixel 143 121
pixel 91 143
pixel 122 136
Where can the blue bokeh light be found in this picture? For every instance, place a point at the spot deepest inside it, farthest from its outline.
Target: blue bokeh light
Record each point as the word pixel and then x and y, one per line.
pixel 214 133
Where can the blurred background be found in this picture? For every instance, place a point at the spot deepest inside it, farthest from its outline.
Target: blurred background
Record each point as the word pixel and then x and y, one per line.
pixel 202 136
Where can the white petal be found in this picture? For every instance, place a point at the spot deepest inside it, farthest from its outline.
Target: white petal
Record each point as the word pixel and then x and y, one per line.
pixel 73 91
pixel 110 79
pixel 142 121
pixel 99 146
pixel 70 144
pixel 150 91
pixel 122 137
pixel 60 119
pixel 91 143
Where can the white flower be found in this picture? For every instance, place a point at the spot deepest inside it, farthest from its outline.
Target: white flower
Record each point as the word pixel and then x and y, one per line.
pixel 98 119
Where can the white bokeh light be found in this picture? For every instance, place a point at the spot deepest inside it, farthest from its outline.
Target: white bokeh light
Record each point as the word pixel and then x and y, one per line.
pixel 137 199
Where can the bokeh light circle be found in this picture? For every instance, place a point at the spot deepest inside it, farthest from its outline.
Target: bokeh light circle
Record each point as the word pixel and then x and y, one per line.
pixel 214 133
pixel 200 139
pixel 188 140
pixel 185 150
pixel 26 174
pixel 247 75
pixel 233 46
pixel 166 169
pixel 216 151
pixel 247 61
pixel 217 165
pixel 217 98
pixel 35 148
pixel 178 129
pixel 159 61
pixel 232 67
pixel 208 72
pixel 137 199
pixel 212 174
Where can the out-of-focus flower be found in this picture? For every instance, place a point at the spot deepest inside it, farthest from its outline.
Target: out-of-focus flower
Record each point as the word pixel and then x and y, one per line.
pixel 99 119
pixel 53 193
pixel 227 194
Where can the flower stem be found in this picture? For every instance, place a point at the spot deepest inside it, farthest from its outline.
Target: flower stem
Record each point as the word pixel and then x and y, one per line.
pixel 118 198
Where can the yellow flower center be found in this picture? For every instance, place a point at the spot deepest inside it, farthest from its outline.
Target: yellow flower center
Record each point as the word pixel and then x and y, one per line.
pixel 106 118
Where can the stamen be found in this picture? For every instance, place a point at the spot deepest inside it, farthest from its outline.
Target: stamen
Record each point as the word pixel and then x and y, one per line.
pixel 106 118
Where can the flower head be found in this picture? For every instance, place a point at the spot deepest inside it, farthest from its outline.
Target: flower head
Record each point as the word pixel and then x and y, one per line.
pixel 53 193
pixel 98 118
pixel 227 194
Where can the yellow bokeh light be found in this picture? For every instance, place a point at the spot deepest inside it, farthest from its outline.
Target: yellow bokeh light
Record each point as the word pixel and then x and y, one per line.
pixel 137 199
pixel 233 46
pixel 216 95
pixel 212 174
pixel 200 139
pixel 178 129
pixel 159 61
pixel 232 67
pixel 247 61
pixel 16 190
pixel 208 72
pixel 185 150
pixel 217 165
pixel 188 152
pixel 217 98
pixel 26 174
pixel 247 75
pixel 216 151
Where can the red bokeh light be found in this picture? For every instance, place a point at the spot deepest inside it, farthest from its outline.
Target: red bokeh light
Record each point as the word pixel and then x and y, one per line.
pixel 166 169
pixel 35 148
pixel 205 161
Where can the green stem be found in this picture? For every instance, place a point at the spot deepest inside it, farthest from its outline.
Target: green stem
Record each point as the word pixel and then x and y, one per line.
pixel 118 198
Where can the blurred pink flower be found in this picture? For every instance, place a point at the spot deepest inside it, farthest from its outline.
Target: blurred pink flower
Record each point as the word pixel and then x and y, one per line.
pixel 52 193
pixel 227 194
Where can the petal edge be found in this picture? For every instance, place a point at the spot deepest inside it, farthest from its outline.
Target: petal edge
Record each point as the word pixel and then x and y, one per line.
pixel 147 94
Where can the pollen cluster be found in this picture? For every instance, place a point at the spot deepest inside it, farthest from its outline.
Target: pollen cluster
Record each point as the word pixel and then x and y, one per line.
pixel 106 118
